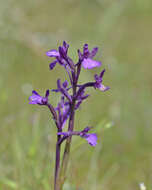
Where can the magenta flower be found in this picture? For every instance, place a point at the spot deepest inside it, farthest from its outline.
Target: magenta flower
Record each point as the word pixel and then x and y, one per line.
pixel 98 82
pixel 62 51
pixel 60 56
pixel 37 99
pixel 87 58
pixel 90 137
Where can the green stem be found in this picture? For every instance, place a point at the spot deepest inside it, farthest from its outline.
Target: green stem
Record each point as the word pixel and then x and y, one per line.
pixel 57 166
pixel 66 152
pixel 68 144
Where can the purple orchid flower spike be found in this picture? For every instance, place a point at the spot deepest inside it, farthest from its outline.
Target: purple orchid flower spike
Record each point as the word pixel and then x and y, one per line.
pixel 71 98
pixel 98 82
pixel 37 99
pixel 87 58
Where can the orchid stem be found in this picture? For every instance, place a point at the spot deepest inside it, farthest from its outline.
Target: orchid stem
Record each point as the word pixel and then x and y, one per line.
pixel 57 165
pixel 66 154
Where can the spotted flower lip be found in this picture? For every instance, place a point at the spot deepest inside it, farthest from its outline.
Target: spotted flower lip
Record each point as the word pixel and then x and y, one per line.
pixel 37 99
pixel 87 57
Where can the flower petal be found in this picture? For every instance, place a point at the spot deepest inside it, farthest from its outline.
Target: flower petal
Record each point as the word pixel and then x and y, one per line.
pixel 97 78
pixel 35 98
pixel 90 63
pixel 80 55
pixel 102 73
pixel 65 84
pixel 103 88
pixel 92 139
pixel 86 130
pixel 93 52
pixel 52 65
pixel 65 46
pixel 34 92
pixel 86 51
pixel 52 53
pixel 47 93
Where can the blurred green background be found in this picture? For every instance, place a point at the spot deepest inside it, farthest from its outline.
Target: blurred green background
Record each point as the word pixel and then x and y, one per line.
pixel 121 116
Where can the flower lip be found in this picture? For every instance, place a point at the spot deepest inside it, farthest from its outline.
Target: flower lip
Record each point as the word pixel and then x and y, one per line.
pixel 52 53
pixel 91 138
pixel 37 99
pixel 87 57
pixel 103 88
pixel 88 63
